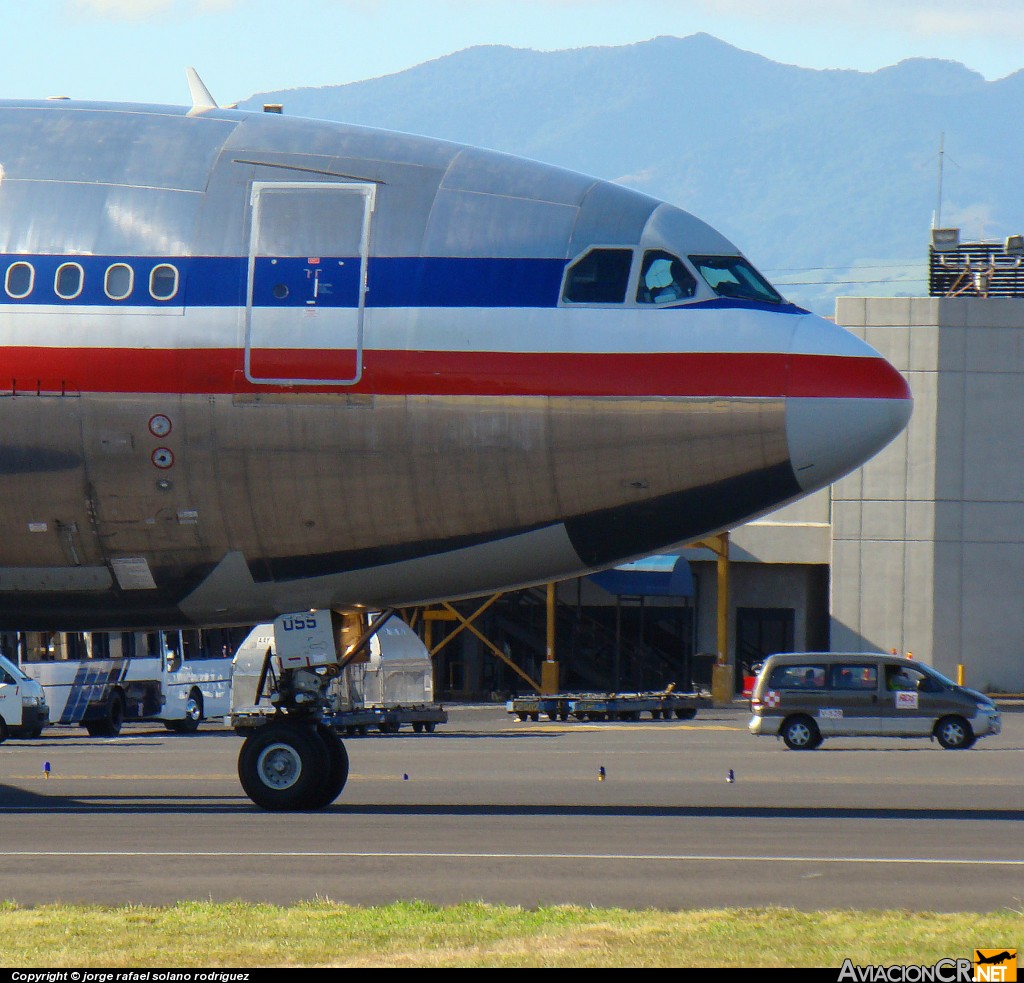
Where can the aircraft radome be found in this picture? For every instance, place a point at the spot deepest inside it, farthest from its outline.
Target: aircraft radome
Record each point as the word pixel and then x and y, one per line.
pixel 256 364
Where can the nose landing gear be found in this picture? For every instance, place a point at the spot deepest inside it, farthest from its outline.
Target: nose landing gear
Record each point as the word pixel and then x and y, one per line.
pixel 282 702
pixel 293 764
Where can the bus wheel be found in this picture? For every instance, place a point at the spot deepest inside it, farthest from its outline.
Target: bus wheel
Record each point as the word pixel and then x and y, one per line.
pixel 189 724
pixel 282 766
pixel 110 724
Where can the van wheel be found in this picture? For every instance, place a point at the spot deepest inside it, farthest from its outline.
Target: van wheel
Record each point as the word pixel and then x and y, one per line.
pixel 954 734
pixel 4 733
pixel 801 734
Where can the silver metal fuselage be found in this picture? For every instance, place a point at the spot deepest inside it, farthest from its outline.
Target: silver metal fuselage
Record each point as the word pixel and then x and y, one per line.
pixel 265 364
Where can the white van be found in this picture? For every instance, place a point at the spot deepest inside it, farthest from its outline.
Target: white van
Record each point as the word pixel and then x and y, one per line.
pixel 23 709
pixel 805 697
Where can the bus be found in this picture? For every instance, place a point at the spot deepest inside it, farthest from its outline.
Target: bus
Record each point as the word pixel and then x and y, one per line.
pixel 101 680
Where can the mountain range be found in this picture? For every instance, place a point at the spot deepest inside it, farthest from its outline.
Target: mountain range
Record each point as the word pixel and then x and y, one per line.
pixel 828 180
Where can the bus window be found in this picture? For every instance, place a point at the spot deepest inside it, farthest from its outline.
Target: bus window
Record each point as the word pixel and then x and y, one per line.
pixel 172 649
pixel 191 646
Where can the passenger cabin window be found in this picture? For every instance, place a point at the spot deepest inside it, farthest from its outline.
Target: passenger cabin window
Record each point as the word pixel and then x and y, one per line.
pixel 163 282
pixel 600 276
pixel 664 279
pixel 119 281
pixel 733 276
pixel 19 280
pixel 68 281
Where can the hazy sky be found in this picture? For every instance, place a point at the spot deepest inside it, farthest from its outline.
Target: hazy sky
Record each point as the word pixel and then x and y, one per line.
pixel 137 50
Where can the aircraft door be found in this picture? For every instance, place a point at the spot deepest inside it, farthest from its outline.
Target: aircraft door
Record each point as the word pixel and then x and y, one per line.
pixel 307 282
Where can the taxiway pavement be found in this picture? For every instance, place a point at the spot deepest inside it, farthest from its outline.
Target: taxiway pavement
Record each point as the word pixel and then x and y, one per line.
pixel 490 808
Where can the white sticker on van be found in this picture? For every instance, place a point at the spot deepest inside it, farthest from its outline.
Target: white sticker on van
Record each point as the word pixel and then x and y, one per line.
pixel 831 713
pixel 906 700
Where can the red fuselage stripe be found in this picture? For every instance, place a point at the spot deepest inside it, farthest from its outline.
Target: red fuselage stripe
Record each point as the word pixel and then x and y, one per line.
pixel 219 370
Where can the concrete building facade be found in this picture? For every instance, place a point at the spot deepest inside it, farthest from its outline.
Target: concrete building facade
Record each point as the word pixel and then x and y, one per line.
pixel 928 537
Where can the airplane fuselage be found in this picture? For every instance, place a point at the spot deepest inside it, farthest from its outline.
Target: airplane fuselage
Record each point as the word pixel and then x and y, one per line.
pixel 254 364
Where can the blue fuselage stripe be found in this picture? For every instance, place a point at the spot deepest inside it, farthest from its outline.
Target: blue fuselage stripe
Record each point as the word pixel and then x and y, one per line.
pixel 222 281
pixel 297 282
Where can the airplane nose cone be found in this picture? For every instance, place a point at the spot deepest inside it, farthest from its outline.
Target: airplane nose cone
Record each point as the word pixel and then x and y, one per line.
pixel 846 403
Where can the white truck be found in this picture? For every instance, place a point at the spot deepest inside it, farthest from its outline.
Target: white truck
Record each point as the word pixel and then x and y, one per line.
pixel 23 709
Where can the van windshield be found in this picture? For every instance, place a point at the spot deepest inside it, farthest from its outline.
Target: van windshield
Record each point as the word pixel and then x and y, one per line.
pixel 935 674
pixel 12 669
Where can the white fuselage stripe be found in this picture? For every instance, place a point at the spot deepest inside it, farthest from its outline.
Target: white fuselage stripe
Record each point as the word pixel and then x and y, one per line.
pixel 431 329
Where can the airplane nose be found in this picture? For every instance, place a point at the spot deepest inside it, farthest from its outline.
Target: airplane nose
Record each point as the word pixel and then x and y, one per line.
pixel 845 403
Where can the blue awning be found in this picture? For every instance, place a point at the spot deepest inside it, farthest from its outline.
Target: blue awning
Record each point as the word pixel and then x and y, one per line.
pixel 656 576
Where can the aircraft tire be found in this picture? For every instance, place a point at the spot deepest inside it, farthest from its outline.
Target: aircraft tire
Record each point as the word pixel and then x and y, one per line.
pixel 336 776
pixel 282 766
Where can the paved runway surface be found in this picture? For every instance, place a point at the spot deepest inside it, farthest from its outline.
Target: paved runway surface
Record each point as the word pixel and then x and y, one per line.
pixel 490 808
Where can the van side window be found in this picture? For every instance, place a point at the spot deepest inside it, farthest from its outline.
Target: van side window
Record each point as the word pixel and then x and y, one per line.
pixel 811 676
pixel 905 678
pixel 855 677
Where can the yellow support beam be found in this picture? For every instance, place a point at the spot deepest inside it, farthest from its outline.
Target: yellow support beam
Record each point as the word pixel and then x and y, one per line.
pixel 448 613
pixel 722 674
pixel 549 669
pixel 438 614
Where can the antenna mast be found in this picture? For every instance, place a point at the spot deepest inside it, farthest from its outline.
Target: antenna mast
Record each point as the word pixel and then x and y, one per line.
pixel 937 221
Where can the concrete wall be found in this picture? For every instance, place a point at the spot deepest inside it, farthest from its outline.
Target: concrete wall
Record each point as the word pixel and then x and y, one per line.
pixel 928 537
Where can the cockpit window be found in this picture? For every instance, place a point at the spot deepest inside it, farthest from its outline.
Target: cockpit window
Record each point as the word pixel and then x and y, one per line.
pixel 733 276
pixel 598 277
pixel 664 279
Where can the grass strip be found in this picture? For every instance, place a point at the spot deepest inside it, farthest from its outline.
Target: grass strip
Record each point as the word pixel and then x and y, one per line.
pixel 197 935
